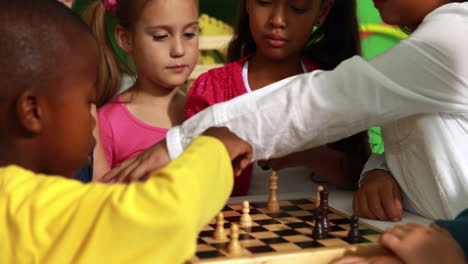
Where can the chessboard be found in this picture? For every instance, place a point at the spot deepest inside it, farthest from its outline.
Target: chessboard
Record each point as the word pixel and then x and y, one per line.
pixel 285 236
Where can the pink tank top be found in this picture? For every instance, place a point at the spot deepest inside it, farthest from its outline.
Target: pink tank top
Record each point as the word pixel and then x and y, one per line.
pixel 122 134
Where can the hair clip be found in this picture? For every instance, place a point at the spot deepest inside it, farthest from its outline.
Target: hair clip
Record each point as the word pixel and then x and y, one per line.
pixel 110 5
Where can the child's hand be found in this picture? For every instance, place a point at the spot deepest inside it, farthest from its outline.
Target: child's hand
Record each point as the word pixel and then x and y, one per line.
pixel 140 167
pixel 239 150
pixel 386 259
pixel 379 197
pixel 416 244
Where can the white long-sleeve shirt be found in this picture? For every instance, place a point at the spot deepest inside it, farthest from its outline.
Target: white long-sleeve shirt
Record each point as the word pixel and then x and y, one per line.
pixel 425 75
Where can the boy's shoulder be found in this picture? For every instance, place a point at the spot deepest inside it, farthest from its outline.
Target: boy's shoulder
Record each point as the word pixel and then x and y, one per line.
pixel 12 176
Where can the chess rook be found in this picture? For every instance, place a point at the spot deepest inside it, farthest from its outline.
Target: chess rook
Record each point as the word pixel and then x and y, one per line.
pixel 273 203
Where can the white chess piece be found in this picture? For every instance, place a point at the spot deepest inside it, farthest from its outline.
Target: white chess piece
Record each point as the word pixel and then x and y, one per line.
pixel 273 203
pixel 317 199
pixel 245 220
pixel 234 247
pixel 220 233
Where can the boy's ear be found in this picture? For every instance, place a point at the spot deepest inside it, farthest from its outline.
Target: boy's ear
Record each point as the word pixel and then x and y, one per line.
pixel 29 112
pixel 325 10
pixel 124 38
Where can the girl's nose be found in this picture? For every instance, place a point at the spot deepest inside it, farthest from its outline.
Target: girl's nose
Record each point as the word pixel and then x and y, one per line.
pixel 177 48
pixel 278 17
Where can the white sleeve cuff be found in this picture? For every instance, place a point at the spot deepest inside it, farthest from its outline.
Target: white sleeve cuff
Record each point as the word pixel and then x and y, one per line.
pixel 174 143
pixel 375 162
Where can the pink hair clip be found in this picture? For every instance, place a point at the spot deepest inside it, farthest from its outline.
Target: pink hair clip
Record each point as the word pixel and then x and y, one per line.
pixel 110 5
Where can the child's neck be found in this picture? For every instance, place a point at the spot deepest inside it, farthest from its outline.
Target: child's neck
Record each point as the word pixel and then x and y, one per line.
pixel 264 71
pixel 28 155
pixel 154 105
pixel 146 91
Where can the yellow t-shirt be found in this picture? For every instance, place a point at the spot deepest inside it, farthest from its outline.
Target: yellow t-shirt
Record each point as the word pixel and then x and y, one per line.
pixel 46 219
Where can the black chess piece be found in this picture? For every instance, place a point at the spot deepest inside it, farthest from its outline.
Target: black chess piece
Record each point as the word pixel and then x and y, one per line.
pixel 324 207
pixel 325 222
pixel 319 231
pixel 324 199
pixel 354 236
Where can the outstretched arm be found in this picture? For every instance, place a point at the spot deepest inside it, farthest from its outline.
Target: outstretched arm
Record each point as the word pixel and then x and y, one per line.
pixel 422 74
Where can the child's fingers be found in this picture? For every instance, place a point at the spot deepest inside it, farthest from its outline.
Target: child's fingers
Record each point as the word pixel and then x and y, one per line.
pixel 390 206
pixel 375 203
pixel 241 163
pixel 349 260
pixel 411 227
pixel 397 202
pixel 386 259
pixel 360 208
pixel 139 173
pixel 365 207
pixel 390 241
pixel 398 232
pixel 442 230
pixel 123 175
pixel 115 172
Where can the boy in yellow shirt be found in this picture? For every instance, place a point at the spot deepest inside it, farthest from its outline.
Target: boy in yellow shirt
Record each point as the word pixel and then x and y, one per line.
pixel 46 128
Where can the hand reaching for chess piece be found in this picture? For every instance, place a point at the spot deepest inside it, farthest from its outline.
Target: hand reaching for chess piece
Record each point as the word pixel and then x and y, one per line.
pixel 414 244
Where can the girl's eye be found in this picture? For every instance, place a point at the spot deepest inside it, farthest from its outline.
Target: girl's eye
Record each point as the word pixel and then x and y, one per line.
pixel 263 2
pixel 160 37
pixel 190 35
pixel 298 10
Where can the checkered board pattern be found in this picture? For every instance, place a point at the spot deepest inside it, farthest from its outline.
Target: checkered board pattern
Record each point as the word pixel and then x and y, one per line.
pixel 287 231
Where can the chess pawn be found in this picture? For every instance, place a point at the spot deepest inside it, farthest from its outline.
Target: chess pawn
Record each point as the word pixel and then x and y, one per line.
pixel 220 233
pixel 317 199
pixel 354 236
pixel 319 231
pixel 245 220
pixel 234 247
pixel 273 203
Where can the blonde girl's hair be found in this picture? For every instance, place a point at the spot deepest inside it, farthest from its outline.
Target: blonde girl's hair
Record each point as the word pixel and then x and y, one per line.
pixel 111 66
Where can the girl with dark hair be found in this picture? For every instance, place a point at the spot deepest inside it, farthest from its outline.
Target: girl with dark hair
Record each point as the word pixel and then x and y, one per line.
pixel 276 39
